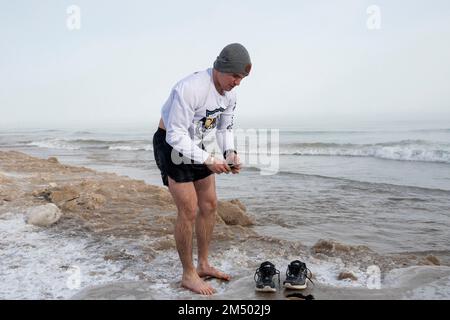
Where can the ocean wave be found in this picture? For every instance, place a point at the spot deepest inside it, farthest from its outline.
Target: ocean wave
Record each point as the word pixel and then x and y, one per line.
pixel 53 144
pixel 368 131
pixel 78 144
pixel 102 142
pixel 405 150
pixel 131 148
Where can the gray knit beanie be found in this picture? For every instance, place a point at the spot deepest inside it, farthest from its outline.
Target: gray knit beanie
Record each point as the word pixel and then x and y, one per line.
pixel 234 58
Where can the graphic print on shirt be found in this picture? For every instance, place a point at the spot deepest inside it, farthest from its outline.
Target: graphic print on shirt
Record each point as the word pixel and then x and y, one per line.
pixel 209 122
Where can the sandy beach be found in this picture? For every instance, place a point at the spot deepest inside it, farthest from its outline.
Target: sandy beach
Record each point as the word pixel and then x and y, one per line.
pixel 114 241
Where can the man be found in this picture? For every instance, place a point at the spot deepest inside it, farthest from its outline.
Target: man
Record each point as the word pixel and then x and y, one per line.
pixel 197 104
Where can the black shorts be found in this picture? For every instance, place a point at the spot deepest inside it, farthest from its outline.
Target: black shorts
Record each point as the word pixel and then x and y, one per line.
pixel 183 172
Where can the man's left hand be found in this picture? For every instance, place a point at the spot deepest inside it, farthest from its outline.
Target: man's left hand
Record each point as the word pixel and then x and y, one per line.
pixel 233 159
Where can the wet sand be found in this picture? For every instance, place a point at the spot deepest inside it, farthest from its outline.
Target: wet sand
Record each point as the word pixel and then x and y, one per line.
pixel 414 283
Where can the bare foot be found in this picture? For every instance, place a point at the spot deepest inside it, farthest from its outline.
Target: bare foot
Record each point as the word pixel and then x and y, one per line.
pixel 194 283
pixel 208 271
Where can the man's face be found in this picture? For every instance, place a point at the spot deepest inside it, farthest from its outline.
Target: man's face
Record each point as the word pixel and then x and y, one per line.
pixel 228 81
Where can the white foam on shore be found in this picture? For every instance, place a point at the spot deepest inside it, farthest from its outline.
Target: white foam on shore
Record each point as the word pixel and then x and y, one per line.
pixel 37 264
pixel 165 272
pixel 421 282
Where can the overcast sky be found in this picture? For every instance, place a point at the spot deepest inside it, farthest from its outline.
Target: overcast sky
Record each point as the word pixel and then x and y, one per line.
pixel 314 62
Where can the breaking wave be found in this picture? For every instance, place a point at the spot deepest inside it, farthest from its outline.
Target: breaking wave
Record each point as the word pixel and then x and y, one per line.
pixel 78 144
pixel 405 150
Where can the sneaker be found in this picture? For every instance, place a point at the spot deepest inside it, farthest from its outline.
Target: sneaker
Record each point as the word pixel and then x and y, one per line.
pixel 296 275
pixel 264 277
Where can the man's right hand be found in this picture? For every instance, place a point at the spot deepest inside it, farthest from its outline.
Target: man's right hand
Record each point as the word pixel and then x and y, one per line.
pixel 217 165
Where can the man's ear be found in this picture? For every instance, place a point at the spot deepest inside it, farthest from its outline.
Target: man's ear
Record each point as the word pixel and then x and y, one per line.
pixel 248 68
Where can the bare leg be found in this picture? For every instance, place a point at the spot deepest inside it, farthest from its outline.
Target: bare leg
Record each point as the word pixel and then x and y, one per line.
pixel 204 225
pixel 186 202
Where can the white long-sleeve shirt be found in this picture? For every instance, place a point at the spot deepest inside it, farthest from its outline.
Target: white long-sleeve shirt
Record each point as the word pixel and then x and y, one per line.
pixel 193 109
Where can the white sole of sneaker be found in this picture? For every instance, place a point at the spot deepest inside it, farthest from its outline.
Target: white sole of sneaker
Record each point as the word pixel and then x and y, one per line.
pixel 294 287
pixel 266 289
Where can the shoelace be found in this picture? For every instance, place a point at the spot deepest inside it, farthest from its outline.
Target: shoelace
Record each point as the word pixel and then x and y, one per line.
pixel 309 277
